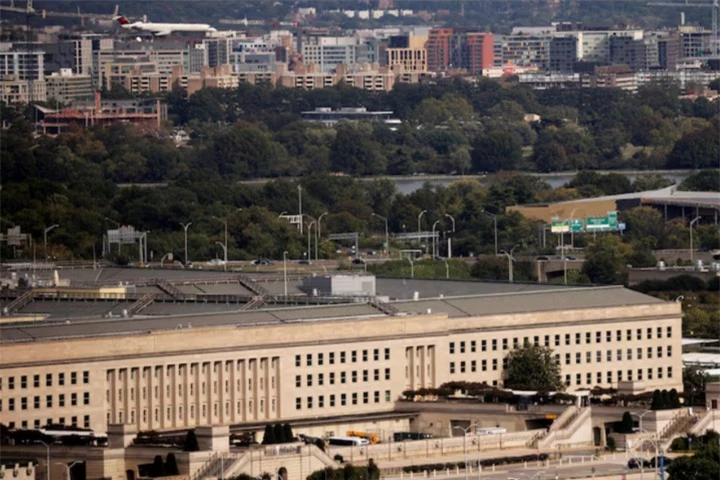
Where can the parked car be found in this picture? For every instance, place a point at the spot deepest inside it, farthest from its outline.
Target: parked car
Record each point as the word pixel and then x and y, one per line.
pixel 656 461
pixel 262 261
pixel 304 261
pixel 216 261
pixel 638 462
pixel 358 261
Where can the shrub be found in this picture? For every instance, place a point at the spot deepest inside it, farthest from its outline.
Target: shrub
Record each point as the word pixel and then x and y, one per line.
pixel 171 467
pixel 339 458
pixel 611 446
pixel 191 442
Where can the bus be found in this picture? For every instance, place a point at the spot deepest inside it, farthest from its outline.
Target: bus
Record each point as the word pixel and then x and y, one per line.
pixel 347 441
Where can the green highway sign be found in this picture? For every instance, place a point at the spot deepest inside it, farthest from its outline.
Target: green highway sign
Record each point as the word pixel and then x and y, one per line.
pixel 577 225
pixel 603 223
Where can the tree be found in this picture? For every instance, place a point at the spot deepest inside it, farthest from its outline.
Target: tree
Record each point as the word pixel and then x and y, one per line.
pixel 657 401
pixel 191 442
pixel 269 436
pixel 694 380
pixel 496 151
pixel 704 465
pixel 278 433
pixel 158 466
pixel 533 367
pixel 627 424
pixel 171 466
pixel 604 259
pixel 287 433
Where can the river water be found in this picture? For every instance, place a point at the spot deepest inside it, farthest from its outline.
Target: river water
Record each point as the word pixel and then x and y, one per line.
pixel 407 185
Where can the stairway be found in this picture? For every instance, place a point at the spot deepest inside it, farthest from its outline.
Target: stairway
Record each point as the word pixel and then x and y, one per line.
pixel 18 303
pixel 386 308
pixel 681 425
pixel 141 304
pixel 252 285
pixel 256 302
pixel 169 288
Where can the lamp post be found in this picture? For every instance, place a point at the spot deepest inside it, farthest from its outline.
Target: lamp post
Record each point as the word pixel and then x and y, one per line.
pixel 691 237
pixel 640 416
pixel 185 227
pixel 47 461
pixel 452 219
pixel 387 233
pixel 51 227
pixel 510 262
pixel 285 270
pixel 433 238
pixel 412 266
pixel 449 240
pixel 447 268
pixel 465 434
pixel 319 233
pixel 225 246
pixel 299 189
pixel 309 229
pixel 419 217
pixel 496 231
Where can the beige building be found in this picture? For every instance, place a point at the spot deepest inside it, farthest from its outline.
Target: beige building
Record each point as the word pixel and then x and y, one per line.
pixel 67 87
pixel 299 363
pixel 413 58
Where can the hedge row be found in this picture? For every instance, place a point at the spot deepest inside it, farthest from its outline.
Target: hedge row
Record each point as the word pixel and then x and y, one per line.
pixel 485 462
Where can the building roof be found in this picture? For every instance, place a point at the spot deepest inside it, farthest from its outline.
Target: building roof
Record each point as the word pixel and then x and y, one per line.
pixel 182 316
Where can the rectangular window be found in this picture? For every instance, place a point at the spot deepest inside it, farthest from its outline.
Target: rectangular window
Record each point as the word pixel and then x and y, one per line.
pixel 567 379
pixel 365 375
pixel 659 332
pixel 354 398
pixel 387 395
pixel 73 378
pixel 619 376
pixel 321 401
pixel 73 399
pixel 298 403
pixel 332 378
pixel 494 344
pixel 452 347
pixel 354 376
pixel 473 366
pixel 649 333
pixel 588 337
pixel 376 396
pixel 639 353
pixel 629 353
pixel 364 355
pixel 61 400
pixel 332 400
pixel 609 377
pixel 36 401
pixel 308 359
pixel 86 377
pixel 343 399
pixel 639 374
pixel 649 352
pixel 387 374
pixel 342 357
pixel 48 380
pixel 588 357
pixel 588 378
pixel 567 339
pixel 309 402
pixel 298 362
pixel 48 401
pixel 598 356
pixel 376 374
pixel 505 343
pixel 342 377
pixel 659 352
pixel 298 380
pixel 516 343
pixel 578 358
pixel 668 349
pixel 628 335
pixel 638 334
pixel 618 355
pixel 668 332
pixel 577 338
pixel 376 354
pixel 366 397
pixel 36 381
pixel 331 358
pixel 452 368
pixel 86 398
pixel 473 346
pixel 659 372
pixel 547 340
pixel 567 359
pixel 599 378
pixel 669 372
pixel 387 354
pixel 462 367
pixel 462 347
pixel 494 364
pixel 353 356
pixel 608 336
pixel 650 373
pixel 321 379
pixel 598 337
pixel 578 379
pixel 321 359
pixel 630 375
pixel 309 380
pixel 23 381
pixel 618 335
pixel 557 340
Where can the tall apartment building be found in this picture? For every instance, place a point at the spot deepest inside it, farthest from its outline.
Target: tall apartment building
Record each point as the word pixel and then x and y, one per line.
pixel 562 53
pixel 22 76
pixel 628 51
pixel 439 49
pixel 329 52
pixel 69 52
pixel 67 87
pixel 694 42
pixel 527 47
pixel 408 51
pixel 668 50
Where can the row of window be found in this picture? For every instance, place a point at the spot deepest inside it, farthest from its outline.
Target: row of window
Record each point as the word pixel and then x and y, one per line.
pixel 24 424
pixel 37 380
pixel 195 368
pixel 342 356
pixel 618 355
pixel 37 402
pixel 354 375
pixel 619 376
pixel 190 389
pixel 203 411
pixel 473 344
pixel 354 399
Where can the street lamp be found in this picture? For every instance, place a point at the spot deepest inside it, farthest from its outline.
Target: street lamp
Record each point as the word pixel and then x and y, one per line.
pixel 465 434
pixel 433 238
pixel 68 468
pixel 47 464
pixel 299 189
pixel 447 267
pixel 51 227
pixel 691 237
pixel 285 270
pixel 412 266
pixel 225 246
pixel 387 234
pixel 318 234
pixel 496 231
pixel 510 260
pixel 453 220
pixel 419 217
pixel 309 229
pixel 185 227
pixel 640 416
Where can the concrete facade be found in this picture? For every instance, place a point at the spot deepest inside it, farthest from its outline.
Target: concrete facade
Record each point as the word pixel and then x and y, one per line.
pixel 301 369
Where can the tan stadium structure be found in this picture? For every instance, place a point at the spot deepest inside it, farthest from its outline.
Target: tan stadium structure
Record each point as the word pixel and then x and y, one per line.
pixel 298 363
